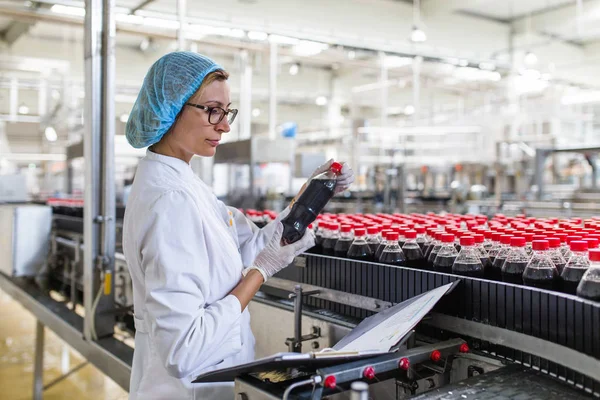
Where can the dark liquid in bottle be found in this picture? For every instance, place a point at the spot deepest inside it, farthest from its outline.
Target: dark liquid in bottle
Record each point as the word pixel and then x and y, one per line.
pixel 414 257
pixel 589 289
pixel 432 255
pixel 543 278
pixel 458 247
pixel 559 266
pixel 328 245
pixel 422 244
pixel 487 264
pixel 379 250
pixel 570 277
pixel 341 247
pixel 474 270
pixel 393 258
pixel 305 210
pixel 401 243
pixel 360 252
pixel 512 272
pixel 444 264
pixel 318 247
pixel 495 271
pixel 374 246
pixel 428 247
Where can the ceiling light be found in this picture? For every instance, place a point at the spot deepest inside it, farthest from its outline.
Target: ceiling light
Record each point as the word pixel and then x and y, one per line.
pixel 68 10
pixel 409 109
pixel 417 35
pixel 396 61
pixel 351 54
pixel 294 68
pixel 309 48
pixel 256 112
pixel 530 58
pixel 321 101
pixel 124 117
pixel 50 134
pixel 487 66
pixel 23 109
pixel 282 39
pixel 145 44
pixel 256 35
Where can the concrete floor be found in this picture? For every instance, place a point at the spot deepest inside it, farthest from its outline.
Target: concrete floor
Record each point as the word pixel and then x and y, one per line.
pixel 17 341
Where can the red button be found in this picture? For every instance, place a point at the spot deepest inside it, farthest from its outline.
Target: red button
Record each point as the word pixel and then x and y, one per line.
pixel 435 356
pixel 464 348
pixel 330 382
pixel 404 363
pixel 369 373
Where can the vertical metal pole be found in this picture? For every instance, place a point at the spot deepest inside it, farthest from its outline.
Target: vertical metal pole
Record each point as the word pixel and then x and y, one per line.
pixel 38 366
pixel 273 66
pixel 99 194
pixel 298 319
pixel 181 13
pixel 416 67
pixel 245 96
pixel 540 159
pixel 92 124
pixel 383 93
pixel 13 99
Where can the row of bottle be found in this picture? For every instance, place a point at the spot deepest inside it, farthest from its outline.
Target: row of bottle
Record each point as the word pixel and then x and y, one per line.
pixel 502 257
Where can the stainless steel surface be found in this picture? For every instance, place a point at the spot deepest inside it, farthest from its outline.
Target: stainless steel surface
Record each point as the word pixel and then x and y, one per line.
pixel 102 354
pixel 38 365
pixel 99 194
pixel 245 391
pixel 562 355
pixel 360 391
pixel 353 300
pixel 24 238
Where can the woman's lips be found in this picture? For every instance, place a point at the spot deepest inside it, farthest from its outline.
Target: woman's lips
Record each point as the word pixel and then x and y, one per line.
pixel 213 143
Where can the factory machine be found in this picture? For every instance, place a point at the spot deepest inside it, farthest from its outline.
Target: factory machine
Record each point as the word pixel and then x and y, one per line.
pixel 484 339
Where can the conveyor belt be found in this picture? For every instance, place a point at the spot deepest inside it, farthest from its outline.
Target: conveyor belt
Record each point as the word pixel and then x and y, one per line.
pixel 500 384
pixel 552 316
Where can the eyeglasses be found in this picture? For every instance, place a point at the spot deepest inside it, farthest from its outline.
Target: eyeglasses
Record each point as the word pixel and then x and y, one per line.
pixel 216 114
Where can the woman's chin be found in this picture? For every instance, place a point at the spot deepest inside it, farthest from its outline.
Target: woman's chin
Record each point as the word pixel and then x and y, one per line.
pixel 207 151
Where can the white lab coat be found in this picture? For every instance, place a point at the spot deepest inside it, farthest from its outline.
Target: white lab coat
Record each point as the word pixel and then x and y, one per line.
pixel 185 251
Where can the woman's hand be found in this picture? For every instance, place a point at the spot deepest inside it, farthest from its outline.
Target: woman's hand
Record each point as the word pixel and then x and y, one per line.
pixel 344 180
pixel 274 257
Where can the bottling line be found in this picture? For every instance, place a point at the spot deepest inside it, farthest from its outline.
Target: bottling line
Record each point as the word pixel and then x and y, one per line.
pixel 484 337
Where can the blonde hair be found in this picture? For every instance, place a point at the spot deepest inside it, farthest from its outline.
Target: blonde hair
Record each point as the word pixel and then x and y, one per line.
pixel 218 75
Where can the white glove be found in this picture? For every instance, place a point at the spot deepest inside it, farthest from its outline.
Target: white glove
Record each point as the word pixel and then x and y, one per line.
pixel 275 257
pixel 344 180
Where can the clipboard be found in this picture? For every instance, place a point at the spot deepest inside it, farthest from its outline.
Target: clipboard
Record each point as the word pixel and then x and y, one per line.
pixel 374 336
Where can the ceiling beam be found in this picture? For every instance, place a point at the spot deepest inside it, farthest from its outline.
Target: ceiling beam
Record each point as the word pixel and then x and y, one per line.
pixel 140 6
pixel 431 8
pixel 14 31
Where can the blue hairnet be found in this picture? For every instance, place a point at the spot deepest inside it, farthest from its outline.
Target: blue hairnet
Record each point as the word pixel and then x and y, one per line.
pixel 168 85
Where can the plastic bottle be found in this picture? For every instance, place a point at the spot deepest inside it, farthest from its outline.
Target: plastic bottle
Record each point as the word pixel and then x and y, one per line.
pixel 556 255
pixel 576 266
pixel 592 242
pixel 421 239
pixel 496 270
pixel 489 242
pixel 468 261
pixel 331 239
pixel 360 250
pixel 496 246
pixel 412 250
pixel 516 261
pixel 434 247
pixel 344 242
pixel 485 258
pixel 589 287
pixel 383 243
pixel 392 254
pixel 373 238
pixel 528 243
pixel 311 202
pixel 430 240
pixel 541 271
pixel 318 249
pixel 446 255
pixel 570 238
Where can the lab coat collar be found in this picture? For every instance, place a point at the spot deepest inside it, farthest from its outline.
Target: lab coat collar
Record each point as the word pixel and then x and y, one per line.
pixel 178 165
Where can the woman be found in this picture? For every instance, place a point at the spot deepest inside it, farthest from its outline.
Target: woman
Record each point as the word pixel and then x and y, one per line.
pixel 195 263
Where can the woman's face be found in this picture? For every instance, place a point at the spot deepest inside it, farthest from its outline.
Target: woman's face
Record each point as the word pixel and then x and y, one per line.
pixel 192 133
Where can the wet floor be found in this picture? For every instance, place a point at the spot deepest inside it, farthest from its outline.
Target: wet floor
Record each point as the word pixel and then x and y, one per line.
pixel 17 343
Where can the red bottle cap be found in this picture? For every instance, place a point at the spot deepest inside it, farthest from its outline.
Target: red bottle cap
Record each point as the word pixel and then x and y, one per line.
pixel 467 241
pixel 393 236
pixel 346 228
pixel 553 242
pixel 540 245
pixel 578 245
pixel 505 239
pixel 562 237
pixel 420 229
pixel 496 236
pixel 517 242
pixel 360 231
pixel 478 238
pixel 592 242
pixel 386 232
pixel 539 237
pixel 410 234
pixel 336 168
pixel 595 255
pixel 488 235
pixel 447 238
pixel 334 226
pixel 571 238
pixel 372 230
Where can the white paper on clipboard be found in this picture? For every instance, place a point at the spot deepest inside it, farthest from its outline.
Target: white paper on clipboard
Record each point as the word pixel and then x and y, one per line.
pixel 384 330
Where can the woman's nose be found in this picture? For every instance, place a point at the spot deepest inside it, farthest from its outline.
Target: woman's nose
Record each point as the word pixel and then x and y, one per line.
pixel 223 126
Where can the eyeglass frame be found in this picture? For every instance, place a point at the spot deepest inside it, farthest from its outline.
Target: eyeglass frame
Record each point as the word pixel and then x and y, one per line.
pixel 209 110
